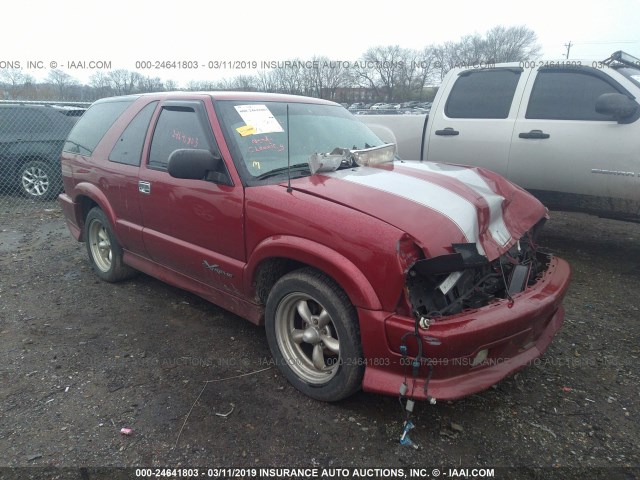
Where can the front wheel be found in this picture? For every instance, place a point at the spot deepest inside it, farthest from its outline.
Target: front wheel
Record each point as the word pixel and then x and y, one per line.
pixel 105 253
pixel 313 334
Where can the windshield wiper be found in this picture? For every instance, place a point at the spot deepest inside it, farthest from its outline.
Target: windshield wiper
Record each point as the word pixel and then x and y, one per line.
pixel 278 171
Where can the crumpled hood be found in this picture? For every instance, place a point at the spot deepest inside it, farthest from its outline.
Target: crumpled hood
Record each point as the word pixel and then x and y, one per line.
pixel 437 204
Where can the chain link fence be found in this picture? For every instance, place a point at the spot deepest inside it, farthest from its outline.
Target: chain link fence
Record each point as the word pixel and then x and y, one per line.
pixel 31 138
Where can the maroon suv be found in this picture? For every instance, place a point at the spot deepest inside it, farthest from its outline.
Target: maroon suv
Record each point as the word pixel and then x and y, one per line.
pixel 367 271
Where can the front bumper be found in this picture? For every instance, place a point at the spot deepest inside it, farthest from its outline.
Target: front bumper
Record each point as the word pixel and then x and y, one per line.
pixel 512 335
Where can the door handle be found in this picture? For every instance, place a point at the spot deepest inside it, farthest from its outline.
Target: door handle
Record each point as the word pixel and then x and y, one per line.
pixel 534 134
pixel 144 187
pixel 447 132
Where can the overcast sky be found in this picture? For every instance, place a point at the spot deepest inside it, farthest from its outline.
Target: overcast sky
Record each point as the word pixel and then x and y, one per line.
pixel 122 32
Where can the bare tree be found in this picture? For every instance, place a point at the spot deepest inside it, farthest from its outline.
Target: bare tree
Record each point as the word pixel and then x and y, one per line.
pixel 15 81
pixel 471 50
pixel 171 86
pixel 410 76
pixel 290 78
pixel 118 80
pixel 446 56
pixel 123 81
pixel 244 83
pixel 62 81
pixel 426 69
pixel 101 84
pixel 500 44
pixel 200 85
pixel 326 76
pixel 266 81
pixel 511 44
pixel 383 69
pixel 150 84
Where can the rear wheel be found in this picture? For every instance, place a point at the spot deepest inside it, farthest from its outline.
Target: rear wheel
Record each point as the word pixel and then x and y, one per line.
pixel 313 334
pixel 105 253
pixel 39 180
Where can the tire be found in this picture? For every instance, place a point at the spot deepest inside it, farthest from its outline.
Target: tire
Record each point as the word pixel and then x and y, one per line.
pixel 105 253
pixel 39 180
pixel 313 334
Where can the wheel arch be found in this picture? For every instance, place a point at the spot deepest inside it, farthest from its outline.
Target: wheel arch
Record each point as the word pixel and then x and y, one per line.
pixel 87 197
pixel 276 256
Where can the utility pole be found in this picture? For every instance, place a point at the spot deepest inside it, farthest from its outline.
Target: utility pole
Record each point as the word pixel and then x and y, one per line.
pixel 568 45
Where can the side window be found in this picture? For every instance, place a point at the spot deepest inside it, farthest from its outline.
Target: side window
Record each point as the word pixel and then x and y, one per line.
pixel 483 94
pixel 92 126
pixel 128 150
pixel 177 127
pixel 567 95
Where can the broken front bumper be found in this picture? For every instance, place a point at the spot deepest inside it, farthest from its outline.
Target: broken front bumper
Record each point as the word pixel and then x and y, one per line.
pixel 468 352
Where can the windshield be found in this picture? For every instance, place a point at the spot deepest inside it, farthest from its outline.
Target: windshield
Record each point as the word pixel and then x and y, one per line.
pixel 257 135
pixel 632 74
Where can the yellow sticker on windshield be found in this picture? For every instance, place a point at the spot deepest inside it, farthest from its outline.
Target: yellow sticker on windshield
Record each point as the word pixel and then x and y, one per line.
pixel 246 130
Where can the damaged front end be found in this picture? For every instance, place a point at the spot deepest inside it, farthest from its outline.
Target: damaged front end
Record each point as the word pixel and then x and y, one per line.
pixel 464 280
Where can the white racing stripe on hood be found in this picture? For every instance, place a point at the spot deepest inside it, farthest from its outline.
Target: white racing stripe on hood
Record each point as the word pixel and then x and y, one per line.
pixel 496 227
pixel 456 208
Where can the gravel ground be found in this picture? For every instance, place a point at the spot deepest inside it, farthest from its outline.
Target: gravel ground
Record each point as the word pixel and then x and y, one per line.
pixel 81 359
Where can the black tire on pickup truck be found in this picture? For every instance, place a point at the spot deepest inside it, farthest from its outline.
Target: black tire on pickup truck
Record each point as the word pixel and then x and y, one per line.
pixel 313 333
pixel 39 180
pixel 105 253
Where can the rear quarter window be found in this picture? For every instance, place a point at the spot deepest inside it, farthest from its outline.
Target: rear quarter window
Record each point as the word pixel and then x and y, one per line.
pixel 92 126
pixel 128 149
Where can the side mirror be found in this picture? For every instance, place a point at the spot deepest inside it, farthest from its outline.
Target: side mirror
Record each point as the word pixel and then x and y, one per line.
pixel 192 163
pixel 618 106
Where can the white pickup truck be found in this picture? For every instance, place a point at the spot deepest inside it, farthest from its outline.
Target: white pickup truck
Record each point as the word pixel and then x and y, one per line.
pixel 567 131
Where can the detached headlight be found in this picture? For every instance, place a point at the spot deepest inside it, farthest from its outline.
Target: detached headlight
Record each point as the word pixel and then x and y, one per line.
pixel 375 155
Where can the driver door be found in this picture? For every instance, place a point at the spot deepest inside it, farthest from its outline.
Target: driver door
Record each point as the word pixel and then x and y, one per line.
pixel 194 227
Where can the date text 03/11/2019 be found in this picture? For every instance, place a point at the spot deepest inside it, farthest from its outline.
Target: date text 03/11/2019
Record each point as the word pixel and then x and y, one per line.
pixel 272 64
pixel 313 472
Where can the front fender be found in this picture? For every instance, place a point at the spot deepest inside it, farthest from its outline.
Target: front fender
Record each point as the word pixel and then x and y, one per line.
pixel 337 266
